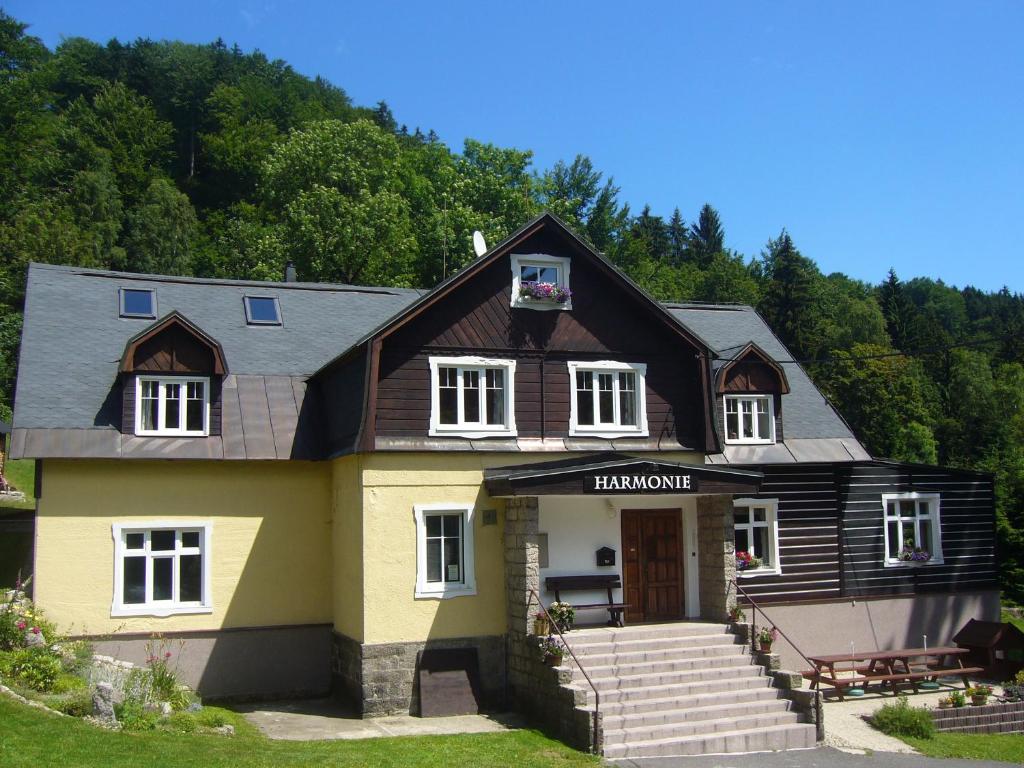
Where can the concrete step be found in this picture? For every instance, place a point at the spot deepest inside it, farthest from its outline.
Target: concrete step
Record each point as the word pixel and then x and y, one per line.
pixel 648 631
pixel 638 734
pixel 772 738
pixel 587 647
pixel 611 706
pixel 626 718
pixel 657 661
pixel 676 690
pixel 701 654
pixel 658 677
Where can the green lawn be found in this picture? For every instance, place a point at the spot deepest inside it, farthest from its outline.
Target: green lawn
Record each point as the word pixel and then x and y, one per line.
pixel 970 746
pixel 33 739
pixel 1019 623
pixel 21 473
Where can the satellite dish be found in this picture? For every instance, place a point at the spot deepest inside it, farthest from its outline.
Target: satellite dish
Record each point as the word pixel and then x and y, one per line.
pixel 479 244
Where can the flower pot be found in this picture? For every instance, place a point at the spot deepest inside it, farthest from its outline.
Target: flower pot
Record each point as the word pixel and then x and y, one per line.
pixel 978 701
pixel 945 704
pixel 541 626
pixel 553 659
pixel 765 647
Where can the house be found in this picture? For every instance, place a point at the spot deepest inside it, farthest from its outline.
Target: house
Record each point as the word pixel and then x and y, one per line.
pixel 312 484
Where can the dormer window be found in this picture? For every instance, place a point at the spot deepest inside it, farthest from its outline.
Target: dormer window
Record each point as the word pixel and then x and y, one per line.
pixel 540 281
pixel 137 302
pixel 262 310
pixel 173 407
pixel 749 419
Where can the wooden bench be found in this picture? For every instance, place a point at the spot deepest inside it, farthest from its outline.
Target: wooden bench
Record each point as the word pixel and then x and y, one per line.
pixel 559 584
pixel 913 677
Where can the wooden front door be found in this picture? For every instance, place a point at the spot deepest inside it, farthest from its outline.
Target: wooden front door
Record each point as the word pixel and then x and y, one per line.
pixel 652 564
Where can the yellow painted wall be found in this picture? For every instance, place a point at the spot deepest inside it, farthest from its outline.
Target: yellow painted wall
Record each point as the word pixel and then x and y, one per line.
pixel 392 484
pixel 347 514
pixel 271 539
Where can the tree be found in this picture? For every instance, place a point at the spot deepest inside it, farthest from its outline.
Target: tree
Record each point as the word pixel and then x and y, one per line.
pixel 897 310
pixel 678 236
pixel 791 299
pixel 707 236
pixel 160 232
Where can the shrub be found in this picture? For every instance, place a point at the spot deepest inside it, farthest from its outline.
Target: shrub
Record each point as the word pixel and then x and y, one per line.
pixel 133 716
pixel 210 717
pixel 66 683
pixel 183 722
pixel 901 719
pixel 36 668
pixel 77 703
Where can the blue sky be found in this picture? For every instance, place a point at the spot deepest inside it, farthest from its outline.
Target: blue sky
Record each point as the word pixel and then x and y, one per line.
pixel 878 133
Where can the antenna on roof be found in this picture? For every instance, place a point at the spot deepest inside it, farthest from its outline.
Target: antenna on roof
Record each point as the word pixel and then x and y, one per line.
pixel 479 244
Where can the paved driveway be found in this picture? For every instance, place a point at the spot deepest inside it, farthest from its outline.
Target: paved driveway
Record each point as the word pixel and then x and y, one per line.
pixel 822 757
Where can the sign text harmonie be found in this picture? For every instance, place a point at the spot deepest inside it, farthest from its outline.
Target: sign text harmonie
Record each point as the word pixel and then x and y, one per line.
pixel 640 484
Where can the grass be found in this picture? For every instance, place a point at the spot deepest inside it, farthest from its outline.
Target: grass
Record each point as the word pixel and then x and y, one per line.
pixel 1005 747
pixel 21 473
pixel 33 739
pixel 1018 623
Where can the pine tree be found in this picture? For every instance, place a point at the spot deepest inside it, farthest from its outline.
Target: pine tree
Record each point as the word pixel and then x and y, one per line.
pixel 791 300
pixel 707 237
pixel 678 236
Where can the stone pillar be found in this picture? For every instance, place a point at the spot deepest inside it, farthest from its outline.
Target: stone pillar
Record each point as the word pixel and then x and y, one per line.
pixel 522 573
pixel 716 555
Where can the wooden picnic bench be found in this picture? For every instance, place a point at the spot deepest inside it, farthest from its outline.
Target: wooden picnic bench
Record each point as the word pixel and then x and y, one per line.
pixel 559 584
pixel 889 668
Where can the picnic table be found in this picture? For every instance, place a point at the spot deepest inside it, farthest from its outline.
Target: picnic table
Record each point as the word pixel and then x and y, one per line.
pixel 901 665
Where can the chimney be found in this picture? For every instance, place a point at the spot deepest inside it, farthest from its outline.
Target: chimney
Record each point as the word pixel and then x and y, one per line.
pixel 289 272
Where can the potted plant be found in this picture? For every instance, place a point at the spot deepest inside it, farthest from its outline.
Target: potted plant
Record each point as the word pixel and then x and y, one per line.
pixel 979 694
pixel 765 638
pixel 945 702
pixel 736 614
pixel 551 650
pixel 912 554
pixel 537 291
pixel 1014 690
pixel 958 698
pixel 563 614
pixel 746 561
pixel 541 625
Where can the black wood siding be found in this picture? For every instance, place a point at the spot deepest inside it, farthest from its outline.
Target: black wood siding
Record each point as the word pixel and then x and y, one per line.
pixel 831 538
pixel 967 519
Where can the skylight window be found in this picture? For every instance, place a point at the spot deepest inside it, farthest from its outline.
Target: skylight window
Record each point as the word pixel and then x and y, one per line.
pixel 138 302
pixel 262 310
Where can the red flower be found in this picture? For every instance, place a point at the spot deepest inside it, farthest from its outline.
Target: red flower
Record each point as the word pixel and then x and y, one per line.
pixel 35 630
pixel 167 655
pixel 21 625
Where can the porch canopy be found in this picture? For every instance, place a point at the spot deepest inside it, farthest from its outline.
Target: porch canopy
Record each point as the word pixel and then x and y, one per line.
pixel 605 474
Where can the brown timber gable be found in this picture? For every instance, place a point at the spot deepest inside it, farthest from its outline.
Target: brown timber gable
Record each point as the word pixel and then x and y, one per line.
pixel 173 345
pixel 752 371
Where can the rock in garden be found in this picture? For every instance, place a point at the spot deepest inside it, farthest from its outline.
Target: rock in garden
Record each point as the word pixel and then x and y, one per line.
pixel 166 709
pixel 225 730
pixel 194 706
pixel 103 702
pixel 34 639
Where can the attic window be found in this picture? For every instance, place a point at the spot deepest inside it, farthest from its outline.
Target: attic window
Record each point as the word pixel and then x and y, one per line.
pixel 262 310
pixel 540 281
pixel 138 302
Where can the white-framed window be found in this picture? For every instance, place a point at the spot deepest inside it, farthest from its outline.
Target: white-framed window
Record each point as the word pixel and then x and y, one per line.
pixel 444 550
pixel 540 281
pixel 162 568
pixel 912 532
pixel 609 398
pixel 472 397
pixel 756 526
pixel 176 406
pixel 749 419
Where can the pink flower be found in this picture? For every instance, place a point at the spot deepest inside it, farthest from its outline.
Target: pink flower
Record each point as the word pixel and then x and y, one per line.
pixel 21 625
pixel 167 655
pixel 35 630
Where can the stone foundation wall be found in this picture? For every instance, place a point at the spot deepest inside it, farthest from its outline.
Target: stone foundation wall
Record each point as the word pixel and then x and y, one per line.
pixel 716 555
pixel 988 718
pixel 381 679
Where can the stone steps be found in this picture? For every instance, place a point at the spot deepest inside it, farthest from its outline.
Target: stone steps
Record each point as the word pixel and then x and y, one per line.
pixel 681 689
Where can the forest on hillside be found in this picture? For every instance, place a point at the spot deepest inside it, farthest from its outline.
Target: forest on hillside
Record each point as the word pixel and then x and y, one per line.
pixel 206 160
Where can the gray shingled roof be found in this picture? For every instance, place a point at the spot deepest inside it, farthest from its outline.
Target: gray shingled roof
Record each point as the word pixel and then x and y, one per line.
pixel 73 339
pixel 807 415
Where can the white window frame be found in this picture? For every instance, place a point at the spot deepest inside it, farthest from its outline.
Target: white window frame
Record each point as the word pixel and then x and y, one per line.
pixel 520 260
pixel 771 517
pixel 753 399
pixel 934 515
pixel 161 608
pixel 444 590
pixel 462 428
pixel 609 429
pixel 163 381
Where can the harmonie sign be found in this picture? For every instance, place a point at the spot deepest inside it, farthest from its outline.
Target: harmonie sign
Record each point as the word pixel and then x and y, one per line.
pixel 662 483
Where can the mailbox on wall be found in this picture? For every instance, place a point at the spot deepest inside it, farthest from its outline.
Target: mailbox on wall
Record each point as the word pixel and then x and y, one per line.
pixel 606 556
